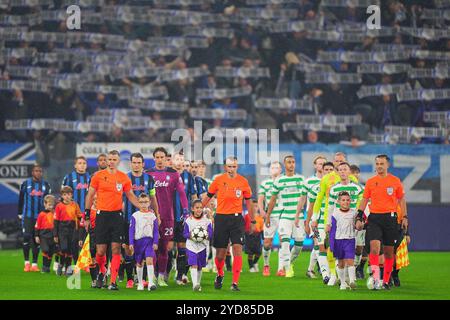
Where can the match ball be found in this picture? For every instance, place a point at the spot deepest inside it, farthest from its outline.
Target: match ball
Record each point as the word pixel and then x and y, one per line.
pixel 199 234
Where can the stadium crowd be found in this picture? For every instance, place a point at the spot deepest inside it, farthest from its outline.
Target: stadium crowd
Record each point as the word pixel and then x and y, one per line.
pixel 260 49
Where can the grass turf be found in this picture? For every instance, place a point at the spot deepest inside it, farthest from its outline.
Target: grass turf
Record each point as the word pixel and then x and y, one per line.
pixel 427 277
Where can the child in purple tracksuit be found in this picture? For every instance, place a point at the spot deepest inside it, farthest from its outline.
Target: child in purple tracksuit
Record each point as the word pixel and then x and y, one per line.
pixel 196 251
pixel 144 238
pixel 342 226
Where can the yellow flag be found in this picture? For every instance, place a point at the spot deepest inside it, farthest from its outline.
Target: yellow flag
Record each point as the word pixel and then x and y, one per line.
pixel 84 259
pixel 402 258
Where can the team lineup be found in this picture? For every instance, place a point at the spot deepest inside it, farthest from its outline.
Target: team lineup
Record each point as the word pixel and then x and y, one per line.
pixel 143 224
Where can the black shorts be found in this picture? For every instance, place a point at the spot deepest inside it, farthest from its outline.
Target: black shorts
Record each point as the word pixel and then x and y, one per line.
pixel 28 229
pixel 382 227
pixel 228 227
pixel 178 232
pixel 253 244
pixel 65 240
pixel 109 227
pixel 47 245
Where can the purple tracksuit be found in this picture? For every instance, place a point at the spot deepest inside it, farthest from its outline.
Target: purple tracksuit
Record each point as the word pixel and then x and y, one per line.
pixel 196 251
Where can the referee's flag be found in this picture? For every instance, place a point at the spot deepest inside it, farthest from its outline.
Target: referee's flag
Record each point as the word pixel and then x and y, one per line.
pixel 402 258
pixel 84 259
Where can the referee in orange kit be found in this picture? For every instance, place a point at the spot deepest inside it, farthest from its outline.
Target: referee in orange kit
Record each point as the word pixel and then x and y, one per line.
pixel 385 192
pixel 109 184
pixel 231 190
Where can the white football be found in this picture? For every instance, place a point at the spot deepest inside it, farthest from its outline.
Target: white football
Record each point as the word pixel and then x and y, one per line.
pixel 199 233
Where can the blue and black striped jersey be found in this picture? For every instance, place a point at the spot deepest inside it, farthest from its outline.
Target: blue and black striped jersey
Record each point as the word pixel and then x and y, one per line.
pixel 201 185
pixel 31 197
pixel 79 182
pixel 142 184
pixel 189 188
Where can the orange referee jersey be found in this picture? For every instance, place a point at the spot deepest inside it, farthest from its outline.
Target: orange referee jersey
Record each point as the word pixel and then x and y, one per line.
pixel 110 188
pixel 230 193
pixel 384 193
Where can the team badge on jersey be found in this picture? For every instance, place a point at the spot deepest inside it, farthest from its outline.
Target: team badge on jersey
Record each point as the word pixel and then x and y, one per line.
pixel 167 177
pixel 238 193
pixel 390 191
pixel 119 187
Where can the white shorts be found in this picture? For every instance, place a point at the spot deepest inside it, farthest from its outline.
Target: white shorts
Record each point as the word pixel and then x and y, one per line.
pixel 269 232
pixel 360 238
pixel 287 229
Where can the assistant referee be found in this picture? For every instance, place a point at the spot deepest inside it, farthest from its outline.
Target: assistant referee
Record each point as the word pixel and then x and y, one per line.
pixel 229 226
pixel 385 192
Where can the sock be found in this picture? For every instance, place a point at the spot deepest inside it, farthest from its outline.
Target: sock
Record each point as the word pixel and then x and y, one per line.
pixel 163 257
pixel 352 274
pixel 362 264
pixel 346 274
pixel 194 276
pixel 313 257
pixel 56 258
pixel 228 261
pixel 237 267
pixel 26 251
pixel 199 275
pixel 285 253
pixel 140 274
pixel 357 259
pixel 93 271
pixel 323 264
pixel 129 266
pixel 151 274
pixel 121 269
pixel 381 271
pixel 266 255
pixel 388 264
pixel 170 261
pixel 256 258
pixel 219 266
pixel 341 275
pixel 144 275
pixel 35 251
pixel 374 265
pixel 115 264
pixel 181 263
pixel 68 261
pixel 44 260
pixel 295 251
pixel 101 261
pixel 250 261
pixel 331 262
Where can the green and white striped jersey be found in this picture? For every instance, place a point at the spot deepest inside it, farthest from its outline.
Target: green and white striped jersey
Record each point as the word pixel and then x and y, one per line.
pixel 354 189
pixel 289 190
pixel 309 183
pixel 312 195
pixel 265 188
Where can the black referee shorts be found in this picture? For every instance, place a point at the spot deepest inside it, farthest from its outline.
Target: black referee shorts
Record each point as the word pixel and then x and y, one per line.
pixel 109 227
pixel 126 232
pixel 382 227
pixel 228 227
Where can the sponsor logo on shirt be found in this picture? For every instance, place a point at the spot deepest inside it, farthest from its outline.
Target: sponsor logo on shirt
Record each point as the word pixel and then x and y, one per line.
pixel 161 184
pixel 135 187
pixel 36 193
pixel 82 186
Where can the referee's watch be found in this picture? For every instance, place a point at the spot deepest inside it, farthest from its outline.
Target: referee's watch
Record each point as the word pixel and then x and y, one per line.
pixel 253 222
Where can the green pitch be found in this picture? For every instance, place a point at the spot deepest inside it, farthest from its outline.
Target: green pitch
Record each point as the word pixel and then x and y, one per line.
pixel 427 277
